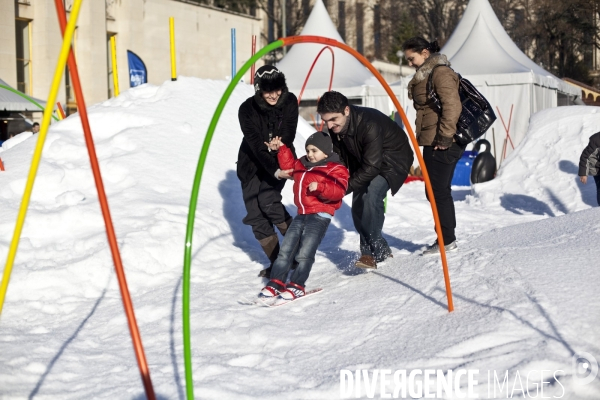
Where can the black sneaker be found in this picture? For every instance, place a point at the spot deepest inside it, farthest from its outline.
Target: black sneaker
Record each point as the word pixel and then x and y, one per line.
pixel 435 248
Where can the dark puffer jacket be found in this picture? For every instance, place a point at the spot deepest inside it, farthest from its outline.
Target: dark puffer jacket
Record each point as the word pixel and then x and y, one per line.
pixel 373 145
pixel 589 162
pixel 260 122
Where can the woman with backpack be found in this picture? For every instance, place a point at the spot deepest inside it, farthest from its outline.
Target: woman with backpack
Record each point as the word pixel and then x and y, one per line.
pixel 436 130
pixel 271 112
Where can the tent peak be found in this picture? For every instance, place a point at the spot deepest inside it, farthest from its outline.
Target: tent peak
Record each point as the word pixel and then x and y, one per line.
pixel 348 71
pixel 481 53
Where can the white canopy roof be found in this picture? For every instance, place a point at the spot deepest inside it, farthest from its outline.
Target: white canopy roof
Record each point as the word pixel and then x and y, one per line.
pixel 480 46
pixel 10 101
pixel 348 71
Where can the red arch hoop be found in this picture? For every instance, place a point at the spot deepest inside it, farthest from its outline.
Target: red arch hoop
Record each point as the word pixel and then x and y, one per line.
pixel 311 69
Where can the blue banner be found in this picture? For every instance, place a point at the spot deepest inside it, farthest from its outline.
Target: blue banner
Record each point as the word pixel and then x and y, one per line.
pixel 137 70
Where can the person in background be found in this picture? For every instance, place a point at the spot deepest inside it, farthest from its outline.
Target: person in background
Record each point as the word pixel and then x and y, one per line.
pixel 589 163
pixel 35 128
pixel 320 182
pixel 435 132
pixel 271 112
pixel 377 153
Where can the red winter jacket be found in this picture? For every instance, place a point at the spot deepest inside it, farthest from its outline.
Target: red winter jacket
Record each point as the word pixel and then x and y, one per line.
pixel 332 181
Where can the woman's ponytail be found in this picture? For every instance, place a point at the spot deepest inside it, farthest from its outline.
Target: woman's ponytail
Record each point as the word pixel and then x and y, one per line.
pixel 433 47
pixel 419 44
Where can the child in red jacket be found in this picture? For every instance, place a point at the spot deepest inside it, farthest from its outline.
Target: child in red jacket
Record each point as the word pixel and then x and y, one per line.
pixel 320 183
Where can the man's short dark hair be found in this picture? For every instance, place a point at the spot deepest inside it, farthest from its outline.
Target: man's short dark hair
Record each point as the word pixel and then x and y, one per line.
pixel 332 102
pixel 35 124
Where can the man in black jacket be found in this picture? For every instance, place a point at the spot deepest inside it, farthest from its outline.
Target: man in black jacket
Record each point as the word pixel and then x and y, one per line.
pixel 377 153
pixel 271 112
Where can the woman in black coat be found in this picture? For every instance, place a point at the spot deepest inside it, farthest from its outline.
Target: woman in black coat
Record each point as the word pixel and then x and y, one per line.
pixel 271 112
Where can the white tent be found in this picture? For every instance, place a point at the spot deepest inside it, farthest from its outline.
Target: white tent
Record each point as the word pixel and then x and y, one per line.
pixel 481 51
pixel 348 71
pixel 350 77
pixel 10 101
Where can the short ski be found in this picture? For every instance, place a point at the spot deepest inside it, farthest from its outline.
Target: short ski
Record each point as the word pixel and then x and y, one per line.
pixel 277 302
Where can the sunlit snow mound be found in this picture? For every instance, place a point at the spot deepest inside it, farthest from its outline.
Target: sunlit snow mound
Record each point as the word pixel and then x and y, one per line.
pixel 148 141
pixel 525 286
pixel 541 174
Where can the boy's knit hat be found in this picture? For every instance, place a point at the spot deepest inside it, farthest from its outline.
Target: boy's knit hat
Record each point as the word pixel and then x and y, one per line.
pixel 321 141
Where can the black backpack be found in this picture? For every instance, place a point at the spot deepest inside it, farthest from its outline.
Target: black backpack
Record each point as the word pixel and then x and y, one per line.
pixel 476 116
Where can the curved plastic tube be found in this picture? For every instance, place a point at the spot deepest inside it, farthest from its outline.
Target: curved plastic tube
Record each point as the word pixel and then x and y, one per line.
pixel 198 177
pixel 187 352
pixel 311 69
pixel 26 98
pixel 61 112
pixel 318 39
pixel 37 154
pixel 110 230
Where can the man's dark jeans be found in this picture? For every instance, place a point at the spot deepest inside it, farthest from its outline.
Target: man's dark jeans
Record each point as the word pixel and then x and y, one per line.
pixel 300 242
pixel 440 166
pixel 368 216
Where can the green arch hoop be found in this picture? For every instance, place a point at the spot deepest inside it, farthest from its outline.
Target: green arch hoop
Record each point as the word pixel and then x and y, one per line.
pixel 25 97
pixel 200 168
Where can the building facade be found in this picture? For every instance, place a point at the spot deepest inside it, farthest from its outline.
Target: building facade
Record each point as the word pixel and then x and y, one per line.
pixel 30 43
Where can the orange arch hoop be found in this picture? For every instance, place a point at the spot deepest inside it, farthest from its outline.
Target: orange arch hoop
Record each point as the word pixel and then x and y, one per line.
pixel 187 261
pixel 288 41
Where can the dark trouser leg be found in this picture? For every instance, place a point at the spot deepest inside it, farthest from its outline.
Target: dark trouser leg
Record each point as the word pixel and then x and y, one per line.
pixel 288 250
pixel 262 199
pixel 314 230
pixel 270 246
pixel 440 166
pixel 597 179
pixel 284 226
pixel 368 216
pixel 264 207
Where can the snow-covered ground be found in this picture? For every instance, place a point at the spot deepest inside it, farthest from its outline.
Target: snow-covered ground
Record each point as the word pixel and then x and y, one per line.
pixel 525 285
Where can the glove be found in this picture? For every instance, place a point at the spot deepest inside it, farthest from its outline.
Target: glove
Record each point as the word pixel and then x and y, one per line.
pixel 443 141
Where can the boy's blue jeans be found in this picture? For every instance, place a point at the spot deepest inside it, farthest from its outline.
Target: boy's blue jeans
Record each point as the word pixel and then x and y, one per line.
pixel 300 242
pixel 597 179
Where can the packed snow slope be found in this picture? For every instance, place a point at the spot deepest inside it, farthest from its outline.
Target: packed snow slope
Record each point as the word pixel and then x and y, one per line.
pixel 544 166
pixel 525 286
